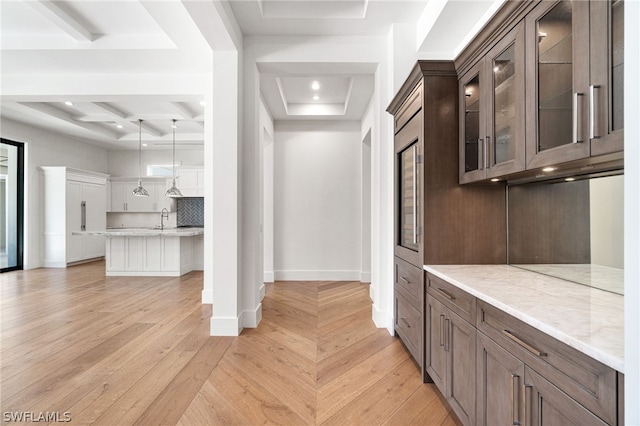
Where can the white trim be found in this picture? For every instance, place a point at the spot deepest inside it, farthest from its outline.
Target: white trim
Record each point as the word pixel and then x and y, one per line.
pixel 311 275
pixel 225 326
pixel 365 277
pixel 251 318
pixel 261 291
pixel 381 319
pixel 269 276
pixel 207 297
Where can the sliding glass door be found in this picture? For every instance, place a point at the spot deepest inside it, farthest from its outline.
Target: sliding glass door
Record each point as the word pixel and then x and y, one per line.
pixel 11 205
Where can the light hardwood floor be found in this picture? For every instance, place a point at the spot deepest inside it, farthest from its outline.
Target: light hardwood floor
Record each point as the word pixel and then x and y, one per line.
pixel 125 350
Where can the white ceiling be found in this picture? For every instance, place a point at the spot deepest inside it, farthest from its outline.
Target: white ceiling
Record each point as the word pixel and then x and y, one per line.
pixel 118 61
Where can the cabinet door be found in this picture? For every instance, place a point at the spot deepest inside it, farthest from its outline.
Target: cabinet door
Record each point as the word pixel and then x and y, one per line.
pixel 436 357
pixel 461 371
pixel 473 148
pixel 73 220
pixel 119 196
pixel 409 195
pixel 499 383
pixel 505 136
pixel 606 92
pixel 546 405
pixel 95 198
pixel 557 37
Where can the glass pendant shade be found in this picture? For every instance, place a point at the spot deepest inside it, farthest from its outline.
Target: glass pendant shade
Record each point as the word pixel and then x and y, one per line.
pixel 174 192
pixel 139 191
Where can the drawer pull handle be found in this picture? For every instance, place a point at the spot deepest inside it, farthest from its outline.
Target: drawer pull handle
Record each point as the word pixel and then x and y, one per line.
pixel 522 343
pixel 405 280
pixel 446 293
pixel 406 322
pixel 515 399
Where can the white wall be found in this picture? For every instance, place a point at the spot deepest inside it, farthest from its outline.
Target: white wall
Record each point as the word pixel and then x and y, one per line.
pixel 317 184
pixel 631 209
pixel 125 162
pixel 365 207
pixel 45 148
pixel 266 141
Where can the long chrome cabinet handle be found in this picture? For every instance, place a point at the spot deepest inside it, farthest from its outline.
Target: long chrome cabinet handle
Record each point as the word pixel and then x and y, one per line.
pixel 447 333
pixel 522 343
pixel 406 322
pixel 415 194
pixel 480 154
pixel 405 280
pixel 487 148
pixel 593 117
pixel 83 216
pixel 577 108
pixel 442 331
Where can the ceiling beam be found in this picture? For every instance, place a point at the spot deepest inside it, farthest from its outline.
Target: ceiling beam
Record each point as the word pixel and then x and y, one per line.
pixel 111 110
pixel 184 110
pixel 63 20
pixel 59 114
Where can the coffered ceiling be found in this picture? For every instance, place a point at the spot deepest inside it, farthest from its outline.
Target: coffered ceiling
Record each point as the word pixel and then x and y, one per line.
pixel 117 61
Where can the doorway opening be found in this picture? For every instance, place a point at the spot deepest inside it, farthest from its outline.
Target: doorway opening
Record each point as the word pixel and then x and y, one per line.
pixel 11 205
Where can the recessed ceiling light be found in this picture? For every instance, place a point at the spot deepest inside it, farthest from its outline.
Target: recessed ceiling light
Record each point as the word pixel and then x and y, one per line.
pixel 202 103
pixel 68 103
pixel 119 126
pixel 570 179
pixel 144 144
pixel 316 97
pixel 495 180
pixel 315 85
pixel 548 169
pixel 174 126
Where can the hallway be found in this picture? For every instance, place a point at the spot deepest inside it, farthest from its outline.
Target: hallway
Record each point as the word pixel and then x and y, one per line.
pixel 124 350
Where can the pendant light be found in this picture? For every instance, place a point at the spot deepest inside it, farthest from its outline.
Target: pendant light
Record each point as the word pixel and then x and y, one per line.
pixel 174 192
pixel 139 191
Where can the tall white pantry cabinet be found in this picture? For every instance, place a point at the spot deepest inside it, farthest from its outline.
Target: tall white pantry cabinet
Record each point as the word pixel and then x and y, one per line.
pixel 73 200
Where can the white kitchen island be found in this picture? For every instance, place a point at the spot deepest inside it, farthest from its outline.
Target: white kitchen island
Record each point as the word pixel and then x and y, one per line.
pixel 170 252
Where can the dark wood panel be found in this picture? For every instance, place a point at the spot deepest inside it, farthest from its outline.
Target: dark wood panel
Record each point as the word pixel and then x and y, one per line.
pixel 549 223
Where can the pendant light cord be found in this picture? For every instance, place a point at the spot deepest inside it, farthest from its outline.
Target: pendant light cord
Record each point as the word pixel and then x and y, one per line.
pixel 174 152
pixel 140 151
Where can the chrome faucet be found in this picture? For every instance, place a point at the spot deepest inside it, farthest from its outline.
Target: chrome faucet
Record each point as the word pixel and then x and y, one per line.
pixel 164 214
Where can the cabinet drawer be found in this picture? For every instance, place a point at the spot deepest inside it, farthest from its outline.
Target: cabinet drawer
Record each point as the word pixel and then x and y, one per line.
pixel 459 301
pixel 409 108
pixel 408 325
pixel 408 280
pixel 584 379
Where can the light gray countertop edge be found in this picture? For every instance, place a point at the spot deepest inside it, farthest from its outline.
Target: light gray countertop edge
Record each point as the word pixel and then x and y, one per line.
pixel 587 319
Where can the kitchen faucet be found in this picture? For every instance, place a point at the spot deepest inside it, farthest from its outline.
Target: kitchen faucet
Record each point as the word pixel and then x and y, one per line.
pixel 164 214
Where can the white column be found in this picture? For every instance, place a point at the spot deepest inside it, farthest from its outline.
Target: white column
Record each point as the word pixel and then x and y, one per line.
pixel 222 275
pixel 631 209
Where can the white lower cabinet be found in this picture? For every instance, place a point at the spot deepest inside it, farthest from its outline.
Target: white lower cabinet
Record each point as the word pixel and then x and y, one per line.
pixel 151 255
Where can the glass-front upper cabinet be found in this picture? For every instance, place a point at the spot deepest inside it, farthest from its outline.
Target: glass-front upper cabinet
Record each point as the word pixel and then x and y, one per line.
pixel 557 82
pixel 606 91
pixel 493 109
pixel 506 119
pixel 472 125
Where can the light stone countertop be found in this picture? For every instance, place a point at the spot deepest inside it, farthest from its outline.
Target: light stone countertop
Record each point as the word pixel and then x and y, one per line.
pixel 585 318
pixel 145 232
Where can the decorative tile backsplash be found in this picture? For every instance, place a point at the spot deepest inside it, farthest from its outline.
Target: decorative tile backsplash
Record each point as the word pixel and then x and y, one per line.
pixel 190 211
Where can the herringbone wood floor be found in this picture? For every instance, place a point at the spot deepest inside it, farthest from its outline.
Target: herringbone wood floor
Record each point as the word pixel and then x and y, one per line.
pixel 123 350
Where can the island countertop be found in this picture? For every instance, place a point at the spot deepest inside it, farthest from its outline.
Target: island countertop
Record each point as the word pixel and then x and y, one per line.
pixel 588 319
pixel 146 232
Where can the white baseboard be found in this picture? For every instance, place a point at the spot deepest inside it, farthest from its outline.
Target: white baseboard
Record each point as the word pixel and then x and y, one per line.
pixel 261 291
pixel 251 318
pixel 207 297
pixel 372 293
pixel 317 275
pixel 365 277
pixel 269 276
pixel 225 326
pixel 382 320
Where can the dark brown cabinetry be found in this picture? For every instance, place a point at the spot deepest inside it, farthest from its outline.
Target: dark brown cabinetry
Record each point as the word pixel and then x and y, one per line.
pixel 551 90
pixel 492 112
pixel 436 221
pixel 557 380
pixel 451 343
